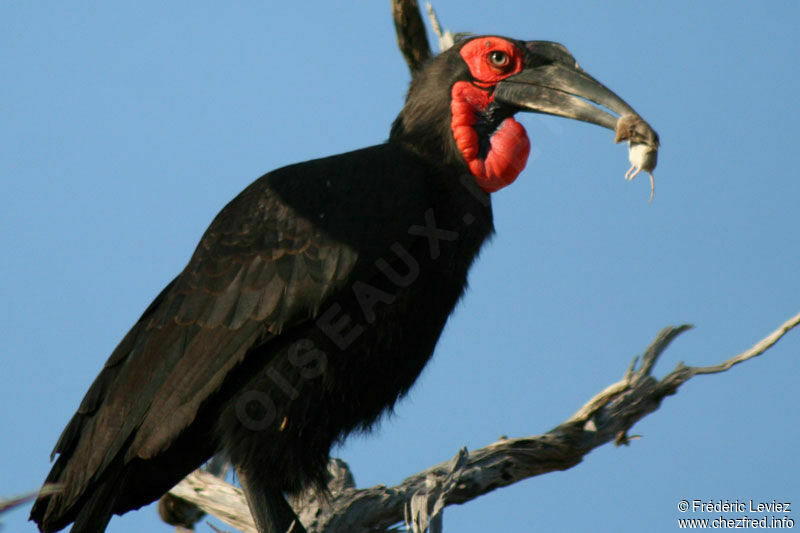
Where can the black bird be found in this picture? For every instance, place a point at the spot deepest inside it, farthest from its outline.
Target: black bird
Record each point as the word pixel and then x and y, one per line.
pixel 316 296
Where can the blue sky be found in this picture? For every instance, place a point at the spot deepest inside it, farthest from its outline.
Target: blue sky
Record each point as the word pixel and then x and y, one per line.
pixel 126 127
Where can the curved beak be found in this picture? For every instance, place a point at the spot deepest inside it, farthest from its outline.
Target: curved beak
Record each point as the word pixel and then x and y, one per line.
pixel 553 83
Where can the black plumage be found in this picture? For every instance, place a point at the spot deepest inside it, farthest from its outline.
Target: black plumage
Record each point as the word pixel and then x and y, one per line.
pixel 311 304
pixel 272 262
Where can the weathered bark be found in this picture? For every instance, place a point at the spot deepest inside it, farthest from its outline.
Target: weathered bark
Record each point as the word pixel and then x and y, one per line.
pixel 420 498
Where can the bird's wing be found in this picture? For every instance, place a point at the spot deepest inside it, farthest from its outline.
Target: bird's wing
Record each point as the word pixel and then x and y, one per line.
pixel 272 258
pixel 260 267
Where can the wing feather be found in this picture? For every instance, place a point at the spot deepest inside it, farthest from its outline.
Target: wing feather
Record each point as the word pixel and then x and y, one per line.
pixel 272 258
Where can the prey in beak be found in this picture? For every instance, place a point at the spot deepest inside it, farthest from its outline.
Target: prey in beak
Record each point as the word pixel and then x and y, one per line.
pixel 642 147
pixel 552 82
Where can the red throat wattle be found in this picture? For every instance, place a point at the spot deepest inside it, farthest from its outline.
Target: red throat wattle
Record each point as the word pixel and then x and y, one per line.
pixel 508 145
pixel 490 59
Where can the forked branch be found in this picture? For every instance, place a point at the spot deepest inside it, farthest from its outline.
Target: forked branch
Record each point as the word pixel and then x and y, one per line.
pixel 420 498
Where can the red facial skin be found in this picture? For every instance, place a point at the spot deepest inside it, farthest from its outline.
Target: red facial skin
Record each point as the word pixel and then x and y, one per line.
pixel 490 60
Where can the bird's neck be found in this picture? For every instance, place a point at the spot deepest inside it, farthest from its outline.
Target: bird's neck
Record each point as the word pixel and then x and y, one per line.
pixel 477 138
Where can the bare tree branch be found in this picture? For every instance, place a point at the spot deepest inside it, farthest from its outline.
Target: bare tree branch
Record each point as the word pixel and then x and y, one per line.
pixel 216 497
pixel 13 503
pixel 446 39
pixel 761 347
pixel 419 499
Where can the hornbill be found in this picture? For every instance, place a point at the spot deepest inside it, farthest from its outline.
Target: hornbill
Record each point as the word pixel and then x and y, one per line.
pixel 315 297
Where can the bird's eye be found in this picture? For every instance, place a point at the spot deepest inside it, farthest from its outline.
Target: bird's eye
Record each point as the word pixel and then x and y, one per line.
pixel 498 58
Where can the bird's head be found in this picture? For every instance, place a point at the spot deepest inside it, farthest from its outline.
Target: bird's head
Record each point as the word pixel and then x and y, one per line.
pixel 478 85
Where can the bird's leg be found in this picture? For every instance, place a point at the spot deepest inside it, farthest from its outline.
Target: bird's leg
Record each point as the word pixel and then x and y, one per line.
pixel 271 512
